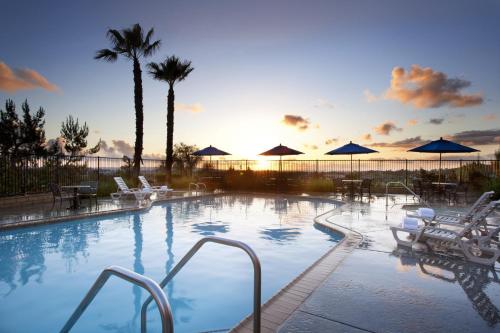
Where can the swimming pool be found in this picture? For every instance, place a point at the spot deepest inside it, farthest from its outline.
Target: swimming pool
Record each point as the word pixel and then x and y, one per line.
pixel 46 270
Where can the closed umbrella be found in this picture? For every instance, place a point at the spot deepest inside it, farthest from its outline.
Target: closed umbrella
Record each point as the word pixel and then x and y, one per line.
pixel 281 151
pixel 440 147
pixel 351 149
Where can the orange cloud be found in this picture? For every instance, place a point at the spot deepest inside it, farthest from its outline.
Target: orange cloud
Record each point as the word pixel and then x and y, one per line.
pixel 331 141
pixel 427 88
pixel 401 144
pixel 367 137
pixel 369 96
pixel 412 122
pixel 195 108
pixel 311 147
pixel 23 79
pixel 299 122
pixel 489 117
pixel 386 128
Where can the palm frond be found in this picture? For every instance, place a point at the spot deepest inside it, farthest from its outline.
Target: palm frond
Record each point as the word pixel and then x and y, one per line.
pixel 115 37
pixel 150 49
pixel 106 54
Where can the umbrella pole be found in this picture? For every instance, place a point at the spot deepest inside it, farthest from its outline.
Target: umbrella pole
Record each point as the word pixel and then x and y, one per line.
pixel 351 168
pixel 439 177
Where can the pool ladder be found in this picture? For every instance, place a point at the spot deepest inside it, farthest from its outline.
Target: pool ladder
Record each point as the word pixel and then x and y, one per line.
pixel 401 184
pixel 156 290
pixel 198 188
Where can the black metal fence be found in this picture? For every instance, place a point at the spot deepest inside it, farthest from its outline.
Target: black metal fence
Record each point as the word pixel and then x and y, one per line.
pixel 32 174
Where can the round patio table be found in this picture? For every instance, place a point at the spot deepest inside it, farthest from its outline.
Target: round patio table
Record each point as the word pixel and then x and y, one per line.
pixel 75 203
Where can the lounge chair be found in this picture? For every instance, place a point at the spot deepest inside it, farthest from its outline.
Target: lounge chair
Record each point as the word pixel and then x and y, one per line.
pixel 476 240
pixel 125 191
pixel 159 190
pixel 431 218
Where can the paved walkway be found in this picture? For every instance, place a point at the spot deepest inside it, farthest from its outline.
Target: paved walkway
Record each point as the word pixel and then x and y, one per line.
pixel 379 288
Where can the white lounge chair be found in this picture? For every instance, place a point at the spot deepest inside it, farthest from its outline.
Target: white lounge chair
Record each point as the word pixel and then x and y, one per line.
pixel 125 191
pixel 159 190
pixel 429 216
pixel 476 240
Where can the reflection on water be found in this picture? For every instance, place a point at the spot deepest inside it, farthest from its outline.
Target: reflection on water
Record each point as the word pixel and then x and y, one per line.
pixel 46 270
pixel 280 235
pixel 473 278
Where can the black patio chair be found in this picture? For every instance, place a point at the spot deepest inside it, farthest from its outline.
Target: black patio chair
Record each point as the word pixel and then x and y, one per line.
pixel 57 192
pixel 365 187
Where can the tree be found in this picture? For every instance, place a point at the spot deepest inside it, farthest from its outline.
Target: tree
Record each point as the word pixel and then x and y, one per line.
pixel 132 44
pixel 10 129
pixel 32 131
pixel 75 138
pixel 183 154
pixel 172 70
pixel 22 137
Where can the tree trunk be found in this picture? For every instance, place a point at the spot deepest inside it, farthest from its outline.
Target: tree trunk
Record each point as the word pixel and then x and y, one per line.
pixel 170 133
pixel 139 118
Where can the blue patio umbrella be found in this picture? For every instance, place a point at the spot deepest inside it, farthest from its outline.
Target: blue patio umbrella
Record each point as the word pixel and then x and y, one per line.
pixel 440 147
pixel 351 149
pixel 210 151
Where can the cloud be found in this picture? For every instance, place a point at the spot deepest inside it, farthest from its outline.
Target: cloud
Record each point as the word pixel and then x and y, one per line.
pixel 331 141
pixel 120 148
pixel 477 137
pixel 299 122
pixel 312 147
pixel 412 122
pixel 386 128
pixel 367 137
pixel 401 144
pixel 436 121
pixel 369 96
pixel 23 79
pixel 324 104
pixel 489 117
pixel 195 108
pixel 427 88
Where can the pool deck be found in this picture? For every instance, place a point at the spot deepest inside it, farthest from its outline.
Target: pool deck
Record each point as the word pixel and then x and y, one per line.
pixel 380 288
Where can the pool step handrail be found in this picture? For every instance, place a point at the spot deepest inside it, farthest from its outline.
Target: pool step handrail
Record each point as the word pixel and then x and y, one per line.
pixel 199 187
pixel 257 284
pixel 401 184
pixel 155 291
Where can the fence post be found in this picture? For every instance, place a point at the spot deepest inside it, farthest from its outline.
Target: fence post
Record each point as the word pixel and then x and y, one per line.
pixel 406 173
pixel 317 168
pixel 460 173
pixel 98 167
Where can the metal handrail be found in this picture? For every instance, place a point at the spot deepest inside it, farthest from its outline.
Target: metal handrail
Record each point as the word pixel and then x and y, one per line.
pixel 229 242
pixel 388 184
pixel 167 323
pixel 196 186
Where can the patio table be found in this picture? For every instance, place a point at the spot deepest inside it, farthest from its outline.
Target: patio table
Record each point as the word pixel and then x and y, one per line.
pixel 352 182
pixel 441 187
pixel 75 204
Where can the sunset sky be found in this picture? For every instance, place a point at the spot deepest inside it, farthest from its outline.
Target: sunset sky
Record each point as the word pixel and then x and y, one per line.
pixel 312 75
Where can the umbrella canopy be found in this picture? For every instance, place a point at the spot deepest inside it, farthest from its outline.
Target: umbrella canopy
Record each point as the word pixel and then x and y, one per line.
pixel 210 151
pixel 440 147
pixel 281 151
pixel 443 146
pixel 351 149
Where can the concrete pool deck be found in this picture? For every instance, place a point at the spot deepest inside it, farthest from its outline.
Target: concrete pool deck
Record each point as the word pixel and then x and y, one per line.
pixel 380 288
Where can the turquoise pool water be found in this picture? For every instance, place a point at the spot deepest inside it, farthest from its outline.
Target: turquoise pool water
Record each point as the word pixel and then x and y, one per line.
pixel 46 270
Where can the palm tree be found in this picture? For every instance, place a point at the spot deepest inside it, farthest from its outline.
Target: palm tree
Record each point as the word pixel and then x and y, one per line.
pixel 172 70
pixel 132 44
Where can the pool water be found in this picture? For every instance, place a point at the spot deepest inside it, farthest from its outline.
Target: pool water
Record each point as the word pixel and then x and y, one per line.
pixel 46 270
